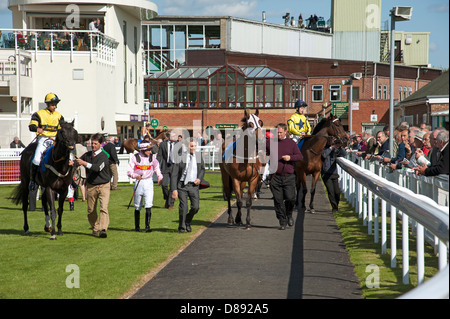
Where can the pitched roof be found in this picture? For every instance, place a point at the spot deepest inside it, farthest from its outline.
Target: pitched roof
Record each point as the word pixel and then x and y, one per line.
pixel 436 88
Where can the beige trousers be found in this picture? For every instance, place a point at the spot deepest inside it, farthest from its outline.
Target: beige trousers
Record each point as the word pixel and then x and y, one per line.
pixel 98 193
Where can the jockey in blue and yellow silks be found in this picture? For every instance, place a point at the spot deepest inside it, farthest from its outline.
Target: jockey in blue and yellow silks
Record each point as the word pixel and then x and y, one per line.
pixel 298 124
pixel 45 123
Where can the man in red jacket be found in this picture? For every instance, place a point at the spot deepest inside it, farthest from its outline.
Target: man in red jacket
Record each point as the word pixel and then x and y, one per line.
pixel 282 183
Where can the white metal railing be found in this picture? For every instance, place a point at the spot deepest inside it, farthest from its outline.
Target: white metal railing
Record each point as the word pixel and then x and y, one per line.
pixel 10 164
pixel 371 194
pixel 53 41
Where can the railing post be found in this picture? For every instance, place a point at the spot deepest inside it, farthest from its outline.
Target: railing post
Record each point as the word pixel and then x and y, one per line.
pixel 420 255
pixel 405 249
pixel 393 237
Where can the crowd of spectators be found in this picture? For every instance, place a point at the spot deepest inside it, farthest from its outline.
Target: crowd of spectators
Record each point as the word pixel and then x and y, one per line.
pixel 418 148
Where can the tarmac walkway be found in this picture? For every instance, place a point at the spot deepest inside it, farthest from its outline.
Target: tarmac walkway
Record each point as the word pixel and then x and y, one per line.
pixel 305 261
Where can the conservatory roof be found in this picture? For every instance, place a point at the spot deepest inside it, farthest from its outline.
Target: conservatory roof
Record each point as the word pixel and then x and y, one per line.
pixel 204 72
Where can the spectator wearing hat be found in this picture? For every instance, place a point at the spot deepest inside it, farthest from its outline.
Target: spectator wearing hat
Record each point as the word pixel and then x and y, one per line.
pixel 141 167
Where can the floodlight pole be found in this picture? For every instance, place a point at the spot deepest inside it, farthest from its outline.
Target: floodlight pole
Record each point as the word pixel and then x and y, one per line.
pixel 391 85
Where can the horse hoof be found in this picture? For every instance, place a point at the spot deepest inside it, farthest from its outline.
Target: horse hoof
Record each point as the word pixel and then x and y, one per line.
pixel 27 233
pixel 47 229
pixel 53 237
pixel 312 211
pixel 248 227
pixel 60 233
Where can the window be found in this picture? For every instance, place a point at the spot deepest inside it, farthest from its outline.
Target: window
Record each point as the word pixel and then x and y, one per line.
pixel 380 87
pixel 385 95
pixel 335 92
pixel 409 90
pixel 404 92
pixel 317 93
pixel 399 93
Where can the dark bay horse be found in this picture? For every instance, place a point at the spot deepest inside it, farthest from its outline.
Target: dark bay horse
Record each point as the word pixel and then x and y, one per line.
pixel 312 161
pixel 131 144
pixel 56 178
pixel 242 167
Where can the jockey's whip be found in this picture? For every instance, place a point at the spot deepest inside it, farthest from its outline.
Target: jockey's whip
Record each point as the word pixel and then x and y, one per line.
pixel 134 191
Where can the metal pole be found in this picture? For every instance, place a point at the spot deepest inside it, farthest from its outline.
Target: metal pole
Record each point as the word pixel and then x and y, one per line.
pixel 350 112
pixel 391 87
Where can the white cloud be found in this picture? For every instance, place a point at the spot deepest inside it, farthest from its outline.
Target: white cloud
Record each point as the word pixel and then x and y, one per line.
pixel 433 46
pixel 439 8
pixel 236 8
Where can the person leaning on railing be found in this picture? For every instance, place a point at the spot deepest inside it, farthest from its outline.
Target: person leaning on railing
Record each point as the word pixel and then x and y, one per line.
pixel 441 166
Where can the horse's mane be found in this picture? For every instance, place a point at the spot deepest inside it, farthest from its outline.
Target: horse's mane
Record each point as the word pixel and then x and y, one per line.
pixel 325 122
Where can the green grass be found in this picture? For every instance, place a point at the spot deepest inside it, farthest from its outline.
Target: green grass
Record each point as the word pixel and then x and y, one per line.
pixel 35 267
pixel 363 252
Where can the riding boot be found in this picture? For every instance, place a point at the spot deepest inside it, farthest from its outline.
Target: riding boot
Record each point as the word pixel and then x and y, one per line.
pixel 137 217
pixel 33 171
pixel 148 217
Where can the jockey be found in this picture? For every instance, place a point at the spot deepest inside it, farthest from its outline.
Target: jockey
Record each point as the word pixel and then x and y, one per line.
pixel 45 123
pixel 298 124
pixel 141 167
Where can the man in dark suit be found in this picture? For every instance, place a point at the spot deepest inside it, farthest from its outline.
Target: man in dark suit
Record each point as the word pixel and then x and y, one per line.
pixel 166 158
pixel 442 164
pixel 187 176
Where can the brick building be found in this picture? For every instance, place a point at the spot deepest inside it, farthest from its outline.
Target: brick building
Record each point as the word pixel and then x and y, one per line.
pixel 323 91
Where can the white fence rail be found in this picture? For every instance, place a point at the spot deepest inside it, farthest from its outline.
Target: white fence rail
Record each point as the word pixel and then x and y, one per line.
pixel 10 164
pixel 370 191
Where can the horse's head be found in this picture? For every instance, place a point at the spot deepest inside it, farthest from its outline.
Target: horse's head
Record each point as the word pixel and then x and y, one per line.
pixel 253 123
pixel 67 136
pixel 337 130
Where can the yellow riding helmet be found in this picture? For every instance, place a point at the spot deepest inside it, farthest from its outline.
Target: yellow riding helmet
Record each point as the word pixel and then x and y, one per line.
pixel 51 97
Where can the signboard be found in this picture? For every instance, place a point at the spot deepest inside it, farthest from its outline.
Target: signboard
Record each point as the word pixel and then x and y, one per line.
pixel 339 108
pixel 154 123
pixel 225 126
pixel 134 118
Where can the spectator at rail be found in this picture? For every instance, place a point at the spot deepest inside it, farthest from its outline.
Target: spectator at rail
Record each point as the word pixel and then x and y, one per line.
pixel 400 139
pixel 426 143
pixel 16 143
pixel 330 176
pixel 442 164
pixel 425 127
pixel 370 144
pixel 382 144
pixel 434 153
pixel 117 142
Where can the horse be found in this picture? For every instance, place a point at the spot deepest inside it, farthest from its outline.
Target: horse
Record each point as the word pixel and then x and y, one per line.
pixel 55 179
pixel 242 170
pixel 312 161
pixel 131 144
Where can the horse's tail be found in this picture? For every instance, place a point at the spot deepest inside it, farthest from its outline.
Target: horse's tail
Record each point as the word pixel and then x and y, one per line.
pixel 121 149
pixel 18 192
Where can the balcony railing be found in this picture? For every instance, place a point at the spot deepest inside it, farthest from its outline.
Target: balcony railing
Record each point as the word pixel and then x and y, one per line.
pixel 69 41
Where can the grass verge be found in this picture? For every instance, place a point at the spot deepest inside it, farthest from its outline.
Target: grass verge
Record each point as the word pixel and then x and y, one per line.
pixel 364 252
pixel 35 267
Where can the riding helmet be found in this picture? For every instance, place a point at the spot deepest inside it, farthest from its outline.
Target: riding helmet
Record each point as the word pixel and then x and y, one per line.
pixel 51 97
pixel 300 103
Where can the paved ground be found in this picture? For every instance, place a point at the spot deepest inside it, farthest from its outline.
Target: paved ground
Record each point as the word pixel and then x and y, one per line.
pixel 307 261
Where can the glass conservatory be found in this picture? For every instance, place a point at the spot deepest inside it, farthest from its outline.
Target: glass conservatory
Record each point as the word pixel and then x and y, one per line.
pixel 228 86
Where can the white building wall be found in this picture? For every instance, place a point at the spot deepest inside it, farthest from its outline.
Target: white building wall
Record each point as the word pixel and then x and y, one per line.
pixel 260 38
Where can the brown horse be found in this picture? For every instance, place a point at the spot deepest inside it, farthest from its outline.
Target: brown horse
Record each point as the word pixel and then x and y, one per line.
pixel 130 144
pixel 312 161
pixel 241 166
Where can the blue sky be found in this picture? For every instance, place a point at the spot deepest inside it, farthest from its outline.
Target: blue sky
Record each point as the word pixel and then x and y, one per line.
pixel 428 15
